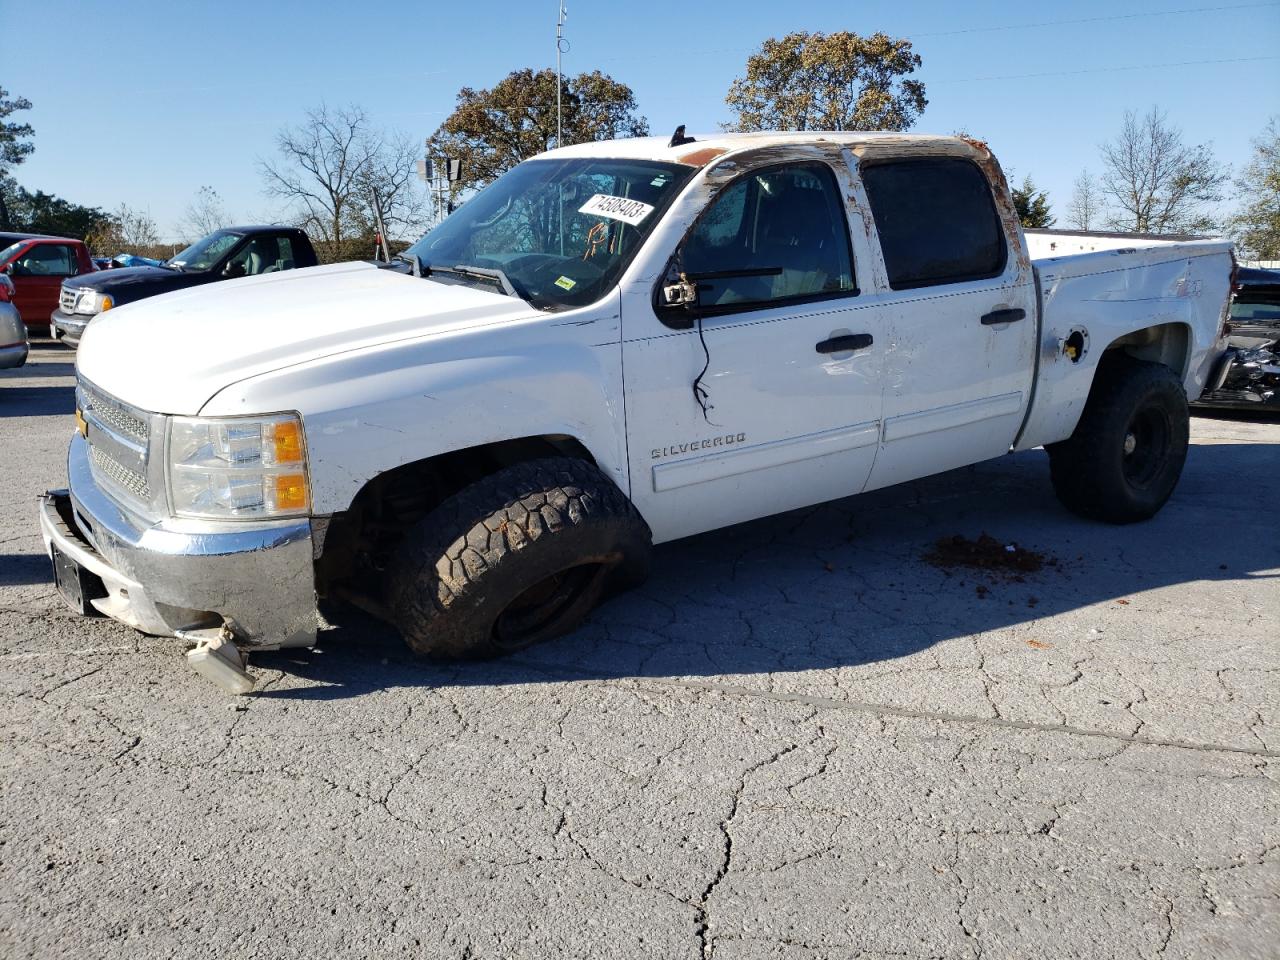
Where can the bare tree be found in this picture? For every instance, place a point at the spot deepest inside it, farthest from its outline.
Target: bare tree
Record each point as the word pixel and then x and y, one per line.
pixel 1084 212
pixel 126 229
pixel 204 214
pixel 324 160
pixel 332 167
pixel 390 180
pixel 1158 183
pixel 1256 225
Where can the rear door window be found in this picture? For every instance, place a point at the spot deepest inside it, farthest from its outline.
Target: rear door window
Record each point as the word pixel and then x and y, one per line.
pixel 936 219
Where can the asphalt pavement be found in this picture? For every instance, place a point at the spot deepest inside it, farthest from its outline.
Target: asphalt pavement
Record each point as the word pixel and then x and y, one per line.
pixel 799 740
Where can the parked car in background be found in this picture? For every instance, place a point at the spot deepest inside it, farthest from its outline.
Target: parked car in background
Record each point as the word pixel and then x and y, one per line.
pixel 133 260
pixel 7 238
pixel 13 332
pixel 1249 375
pixel 38 266
pixel 222 255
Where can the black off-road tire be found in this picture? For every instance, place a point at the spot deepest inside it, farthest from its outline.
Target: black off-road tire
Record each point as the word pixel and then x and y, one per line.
pixel 517 558
pixel 1125 457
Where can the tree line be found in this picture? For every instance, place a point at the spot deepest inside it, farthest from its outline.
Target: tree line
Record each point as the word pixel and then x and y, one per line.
pixel 338 175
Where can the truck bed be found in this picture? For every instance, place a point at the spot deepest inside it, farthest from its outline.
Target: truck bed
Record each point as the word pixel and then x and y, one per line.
pixel 1092 301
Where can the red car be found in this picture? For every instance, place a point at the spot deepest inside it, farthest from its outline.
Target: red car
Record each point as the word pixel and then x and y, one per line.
pixel 37 266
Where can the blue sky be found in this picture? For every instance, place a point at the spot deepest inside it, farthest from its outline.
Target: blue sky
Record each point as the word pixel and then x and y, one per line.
pixel 144 103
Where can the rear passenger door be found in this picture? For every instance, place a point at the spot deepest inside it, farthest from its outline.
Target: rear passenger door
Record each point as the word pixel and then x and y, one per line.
pixel 959 302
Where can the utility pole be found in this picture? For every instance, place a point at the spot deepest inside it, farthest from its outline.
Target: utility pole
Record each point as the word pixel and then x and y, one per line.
pixel 382 229
pixel 561 46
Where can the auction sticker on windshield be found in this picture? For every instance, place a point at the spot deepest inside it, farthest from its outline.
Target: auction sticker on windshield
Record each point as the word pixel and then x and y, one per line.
pixel 616 208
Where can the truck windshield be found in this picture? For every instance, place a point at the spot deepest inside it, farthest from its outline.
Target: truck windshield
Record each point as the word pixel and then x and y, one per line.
pixel 560 231
pixel 204 253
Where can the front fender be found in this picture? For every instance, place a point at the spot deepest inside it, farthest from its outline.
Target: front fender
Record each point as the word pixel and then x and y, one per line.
pixel 375 409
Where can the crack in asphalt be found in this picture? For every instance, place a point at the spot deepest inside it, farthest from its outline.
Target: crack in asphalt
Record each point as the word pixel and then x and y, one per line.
pixel 705 938
pixel 881 709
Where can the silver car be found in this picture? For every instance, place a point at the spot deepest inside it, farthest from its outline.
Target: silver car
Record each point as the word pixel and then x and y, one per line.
pixel 13 332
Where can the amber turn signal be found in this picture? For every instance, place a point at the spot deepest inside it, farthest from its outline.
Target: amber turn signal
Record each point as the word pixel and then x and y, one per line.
pixel 288 441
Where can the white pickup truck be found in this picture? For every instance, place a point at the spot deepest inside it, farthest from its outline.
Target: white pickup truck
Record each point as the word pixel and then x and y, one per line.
pixel 613 345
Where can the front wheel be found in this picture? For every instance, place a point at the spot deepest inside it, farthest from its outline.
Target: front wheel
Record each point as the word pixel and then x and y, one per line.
pixel 1125 457
pixel 518 557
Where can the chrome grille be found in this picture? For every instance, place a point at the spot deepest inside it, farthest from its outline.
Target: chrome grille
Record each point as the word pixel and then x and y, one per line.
pixel 119 438
pixel 119 474
pixel 112 414
pixel 67 300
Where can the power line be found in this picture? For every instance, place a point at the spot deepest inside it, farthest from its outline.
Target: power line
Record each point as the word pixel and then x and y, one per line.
pixel 1072 73
pixel 988 29
pixel 1118 16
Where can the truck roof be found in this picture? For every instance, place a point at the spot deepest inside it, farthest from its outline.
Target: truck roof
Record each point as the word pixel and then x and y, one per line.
pixel 704 148
pixel 263 227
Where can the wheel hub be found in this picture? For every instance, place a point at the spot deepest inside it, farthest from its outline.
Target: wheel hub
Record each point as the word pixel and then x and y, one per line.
pixel 1146 446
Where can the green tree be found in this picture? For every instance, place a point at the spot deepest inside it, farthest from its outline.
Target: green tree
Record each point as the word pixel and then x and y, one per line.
pixel 1158 183
pixel 491 131
pixel 1256 225
pixel 829 81
pixel 15 147
pixel 41 212
pixel 1032 205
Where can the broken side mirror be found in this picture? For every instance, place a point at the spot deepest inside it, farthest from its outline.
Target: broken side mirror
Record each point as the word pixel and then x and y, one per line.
pixel 682 293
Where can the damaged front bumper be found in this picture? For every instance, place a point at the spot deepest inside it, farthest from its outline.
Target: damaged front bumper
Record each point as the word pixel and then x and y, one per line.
pixel 254 581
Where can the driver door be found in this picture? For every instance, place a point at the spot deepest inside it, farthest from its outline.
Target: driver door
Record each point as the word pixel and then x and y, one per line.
pixel 765 394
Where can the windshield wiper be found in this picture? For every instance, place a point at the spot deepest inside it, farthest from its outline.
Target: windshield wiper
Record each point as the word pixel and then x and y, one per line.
pixel 479 273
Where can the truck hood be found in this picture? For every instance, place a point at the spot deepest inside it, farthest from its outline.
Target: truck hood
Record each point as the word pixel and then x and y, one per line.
pixel 172 353
pixel 127 284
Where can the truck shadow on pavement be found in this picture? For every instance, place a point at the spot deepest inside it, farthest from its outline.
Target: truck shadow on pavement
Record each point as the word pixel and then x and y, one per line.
pixel 845 584
pixel 41 401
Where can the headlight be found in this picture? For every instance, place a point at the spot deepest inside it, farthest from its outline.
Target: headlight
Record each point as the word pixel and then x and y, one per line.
pixel 91 302
pixel 237 468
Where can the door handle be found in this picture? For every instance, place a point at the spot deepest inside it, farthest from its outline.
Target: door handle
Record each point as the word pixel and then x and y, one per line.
pixel 850 341
pixel 1003 316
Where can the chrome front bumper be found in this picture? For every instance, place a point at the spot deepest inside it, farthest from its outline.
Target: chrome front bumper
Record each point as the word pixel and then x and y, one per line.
pixel 171 575
pixel 67 327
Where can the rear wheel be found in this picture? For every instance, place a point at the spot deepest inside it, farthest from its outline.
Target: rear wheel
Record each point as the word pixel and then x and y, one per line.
pixel 1125 457
pixel 519 557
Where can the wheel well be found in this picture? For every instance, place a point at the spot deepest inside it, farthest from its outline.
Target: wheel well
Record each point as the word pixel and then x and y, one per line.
pixel 358 541
pixel 1165 343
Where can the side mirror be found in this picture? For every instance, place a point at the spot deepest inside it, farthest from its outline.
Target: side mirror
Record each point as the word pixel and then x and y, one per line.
pixel 683 293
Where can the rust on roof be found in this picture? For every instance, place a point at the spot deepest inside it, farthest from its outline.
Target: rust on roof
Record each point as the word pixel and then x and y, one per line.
pixel 698 158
